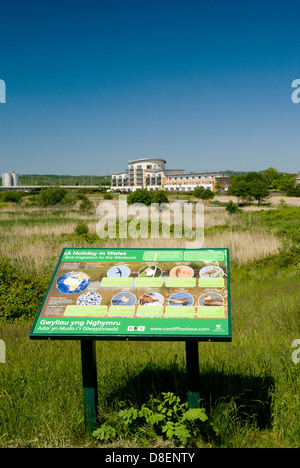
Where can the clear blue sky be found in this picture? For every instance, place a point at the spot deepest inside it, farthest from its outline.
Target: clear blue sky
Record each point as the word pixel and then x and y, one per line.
pixel 204 85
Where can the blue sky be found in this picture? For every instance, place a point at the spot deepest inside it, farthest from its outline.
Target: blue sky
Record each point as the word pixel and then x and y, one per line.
pixel 204 85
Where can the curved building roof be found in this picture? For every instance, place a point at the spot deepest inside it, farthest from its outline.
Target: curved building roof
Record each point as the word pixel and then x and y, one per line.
pixel 146 159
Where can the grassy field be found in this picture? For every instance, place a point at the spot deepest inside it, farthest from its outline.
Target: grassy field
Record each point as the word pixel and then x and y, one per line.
pixel 249 388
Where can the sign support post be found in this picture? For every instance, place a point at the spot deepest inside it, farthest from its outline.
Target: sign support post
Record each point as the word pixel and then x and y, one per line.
pixel 192 368
pixel 89 383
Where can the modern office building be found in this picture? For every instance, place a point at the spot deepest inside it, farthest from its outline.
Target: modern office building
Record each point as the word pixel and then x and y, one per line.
pixel 10 179
pixel 151 174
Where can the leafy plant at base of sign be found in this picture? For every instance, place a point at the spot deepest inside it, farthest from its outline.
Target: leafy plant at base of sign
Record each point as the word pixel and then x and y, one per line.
pixel 167 417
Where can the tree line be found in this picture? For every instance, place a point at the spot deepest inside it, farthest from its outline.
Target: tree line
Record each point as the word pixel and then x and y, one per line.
pixel 54 179
pixel 258 185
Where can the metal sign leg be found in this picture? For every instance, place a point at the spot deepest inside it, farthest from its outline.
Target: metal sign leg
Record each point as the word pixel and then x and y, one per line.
pixel 192 367
pixel 89 382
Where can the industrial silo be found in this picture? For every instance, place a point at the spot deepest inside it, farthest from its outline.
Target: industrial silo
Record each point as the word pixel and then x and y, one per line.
pixel 6 180
pixel 15 179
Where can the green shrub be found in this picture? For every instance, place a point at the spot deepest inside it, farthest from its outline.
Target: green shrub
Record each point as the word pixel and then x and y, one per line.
pixel 231 207
pixel 69 199
pixel 21 295
pixel 293 191
pixel 81 229
pixel 86 204
pixel 205 194
pixel 160 197
pixel 248 187
pixel 52 196
pixel 147 197
pixel 11 197
pixel 285 222
pixel 108 196
pixel 141 196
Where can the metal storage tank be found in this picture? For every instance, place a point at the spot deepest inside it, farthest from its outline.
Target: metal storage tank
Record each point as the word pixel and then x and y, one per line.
pixel 10 179
pixel 6 179
pixel 15 179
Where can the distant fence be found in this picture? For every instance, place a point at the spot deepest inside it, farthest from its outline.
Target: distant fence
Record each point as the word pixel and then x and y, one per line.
pixel 27 188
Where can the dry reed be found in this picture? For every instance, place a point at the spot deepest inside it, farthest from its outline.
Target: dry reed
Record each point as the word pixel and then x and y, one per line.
pixel 37 245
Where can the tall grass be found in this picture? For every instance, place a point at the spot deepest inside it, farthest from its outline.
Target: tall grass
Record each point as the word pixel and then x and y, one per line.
pixel 249 387
pixel 247 245
pixel 35 238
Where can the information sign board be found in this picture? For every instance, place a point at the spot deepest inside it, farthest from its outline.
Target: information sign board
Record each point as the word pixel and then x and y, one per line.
pixel 137 294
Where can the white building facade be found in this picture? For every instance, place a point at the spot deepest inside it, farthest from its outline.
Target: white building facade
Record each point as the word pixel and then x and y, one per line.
pixel 151 174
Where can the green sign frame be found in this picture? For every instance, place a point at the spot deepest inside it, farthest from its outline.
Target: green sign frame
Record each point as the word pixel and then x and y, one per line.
pixel 137 294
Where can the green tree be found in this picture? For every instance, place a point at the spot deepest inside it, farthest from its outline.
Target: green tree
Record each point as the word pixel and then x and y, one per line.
pixel 141 196
pixel 259 190
pixel 248 187
pixel 205 194
pixel 70 198
pixel 160 197
pixel 269 175
pixel 283 182
pixel 11 197
pixel 240 189
pixel 277 181
pixel 147 197
pixel 51 196
pixel 294 191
